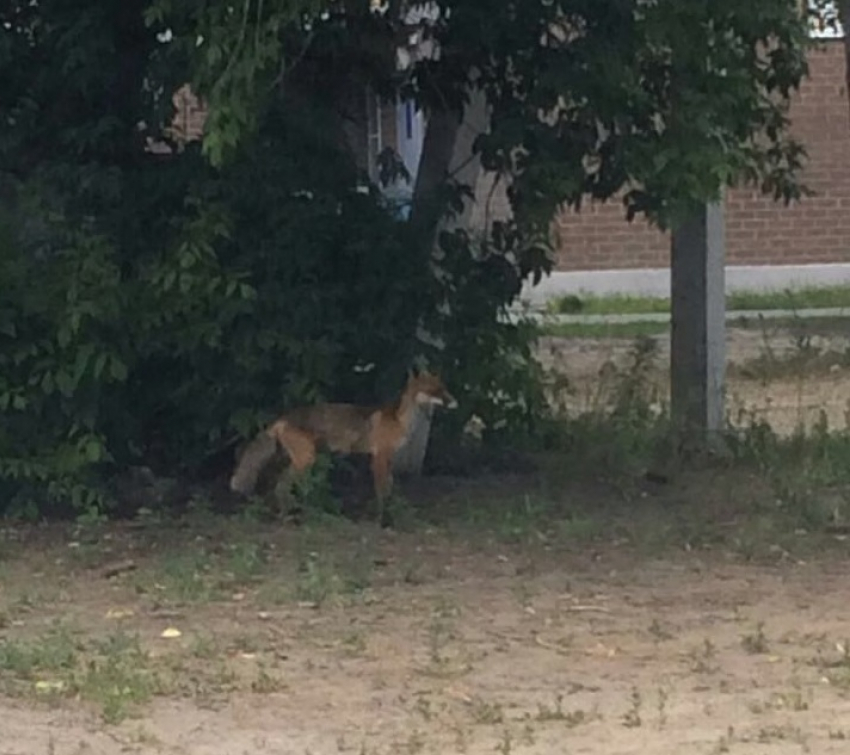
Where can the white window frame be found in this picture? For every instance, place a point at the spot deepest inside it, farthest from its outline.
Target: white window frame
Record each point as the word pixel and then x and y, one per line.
pixel 831 29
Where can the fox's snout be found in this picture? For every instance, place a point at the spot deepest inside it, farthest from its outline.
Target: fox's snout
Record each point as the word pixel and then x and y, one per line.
pixel 437 397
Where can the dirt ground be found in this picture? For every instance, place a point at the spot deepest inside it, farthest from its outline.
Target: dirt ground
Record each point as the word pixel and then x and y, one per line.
pixel 454 639
pixel 784 376
pixel 647 621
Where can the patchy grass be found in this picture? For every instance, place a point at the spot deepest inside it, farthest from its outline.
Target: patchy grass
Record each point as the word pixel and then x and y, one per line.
pixel 756 642
pixel 808 351
pixel 579 603
pixel 604 329
pixel 579 599
pixel 184 577
pixel 811 297
pixel 633 330
pixel 612 304
pixel 113 673
pixel 808 297
pixel 526 586
pixel 320 579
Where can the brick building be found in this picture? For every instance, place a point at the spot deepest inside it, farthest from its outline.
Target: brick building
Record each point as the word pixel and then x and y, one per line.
pixel 759 231
pixel 769 245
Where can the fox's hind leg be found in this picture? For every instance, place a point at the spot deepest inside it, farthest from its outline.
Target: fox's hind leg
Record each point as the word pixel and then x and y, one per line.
pixel 300 447
pixel 382 474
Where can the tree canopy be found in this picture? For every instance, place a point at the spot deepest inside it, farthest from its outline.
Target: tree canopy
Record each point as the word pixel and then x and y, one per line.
pixel 155 304
pixel 672 99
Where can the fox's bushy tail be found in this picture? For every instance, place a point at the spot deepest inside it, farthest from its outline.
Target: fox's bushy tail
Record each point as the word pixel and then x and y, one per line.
pixel 253 460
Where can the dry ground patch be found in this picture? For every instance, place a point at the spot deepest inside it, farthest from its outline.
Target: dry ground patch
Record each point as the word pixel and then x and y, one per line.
pixel 784 375
pixel 513 615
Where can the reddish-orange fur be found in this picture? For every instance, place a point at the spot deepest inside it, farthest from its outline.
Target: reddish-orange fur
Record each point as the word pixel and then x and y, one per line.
pixel 343 428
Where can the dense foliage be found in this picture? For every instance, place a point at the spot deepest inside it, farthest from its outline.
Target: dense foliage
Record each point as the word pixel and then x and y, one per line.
pixel 155 305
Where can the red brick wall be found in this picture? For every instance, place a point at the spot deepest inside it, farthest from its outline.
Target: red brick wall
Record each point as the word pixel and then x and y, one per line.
pixel 759 232
pixel 190 116
pixel 188 123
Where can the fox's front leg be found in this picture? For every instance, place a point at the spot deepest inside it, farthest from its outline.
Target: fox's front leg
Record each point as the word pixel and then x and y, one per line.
pixel 382 476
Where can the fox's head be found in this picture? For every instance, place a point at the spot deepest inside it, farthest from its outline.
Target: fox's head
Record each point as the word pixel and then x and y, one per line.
pixel 429 390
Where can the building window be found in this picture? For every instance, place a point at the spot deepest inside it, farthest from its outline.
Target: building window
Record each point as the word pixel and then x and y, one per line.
pixel 408 119
pixel 824 23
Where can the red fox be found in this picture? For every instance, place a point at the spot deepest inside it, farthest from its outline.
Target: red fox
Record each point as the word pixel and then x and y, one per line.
pixel 344 428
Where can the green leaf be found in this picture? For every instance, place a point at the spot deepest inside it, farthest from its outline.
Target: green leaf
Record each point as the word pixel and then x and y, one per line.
pixel 64 337
pixel 99 365
pixel 117 369
pixel 48 384
pixel 93 450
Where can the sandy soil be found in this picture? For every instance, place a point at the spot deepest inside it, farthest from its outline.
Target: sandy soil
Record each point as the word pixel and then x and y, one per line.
pixel 783 376
pixel 454 646
pixel 355 640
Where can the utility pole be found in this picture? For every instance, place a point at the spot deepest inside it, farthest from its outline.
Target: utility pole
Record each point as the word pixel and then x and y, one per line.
pixel 698 338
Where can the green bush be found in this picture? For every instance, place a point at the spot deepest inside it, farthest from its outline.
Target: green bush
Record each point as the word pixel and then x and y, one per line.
pixel 194 304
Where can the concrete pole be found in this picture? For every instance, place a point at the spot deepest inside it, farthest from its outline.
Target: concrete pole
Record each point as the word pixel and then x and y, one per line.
pixel 698 338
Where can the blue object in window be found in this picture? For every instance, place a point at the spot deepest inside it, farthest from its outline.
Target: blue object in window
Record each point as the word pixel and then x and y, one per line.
pixel 408 118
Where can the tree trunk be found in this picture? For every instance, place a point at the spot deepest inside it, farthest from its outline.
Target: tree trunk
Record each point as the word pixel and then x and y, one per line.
pixel 447 151
pixel 438 148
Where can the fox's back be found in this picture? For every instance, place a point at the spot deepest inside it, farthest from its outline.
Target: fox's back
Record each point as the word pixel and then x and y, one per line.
pixel 341 427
